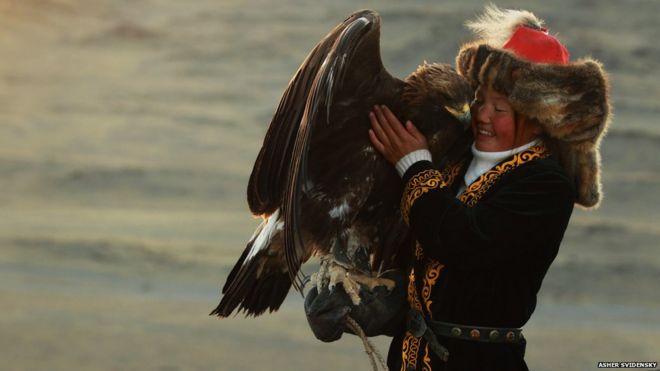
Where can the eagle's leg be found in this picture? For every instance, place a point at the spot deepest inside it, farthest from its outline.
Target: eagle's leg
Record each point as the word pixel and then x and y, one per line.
pixel 336 268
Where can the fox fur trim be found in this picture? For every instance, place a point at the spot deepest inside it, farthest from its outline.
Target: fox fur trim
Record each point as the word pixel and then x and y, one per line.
pixel 569 101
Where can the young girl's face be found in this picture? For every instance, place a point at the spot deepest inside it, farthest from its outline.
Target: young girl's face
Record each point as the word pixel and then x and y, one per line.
pixel 494 123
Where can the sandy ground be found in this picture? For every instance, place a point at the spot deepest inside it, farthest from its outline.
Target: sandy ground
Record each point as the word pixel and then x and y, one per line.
pixel 128 130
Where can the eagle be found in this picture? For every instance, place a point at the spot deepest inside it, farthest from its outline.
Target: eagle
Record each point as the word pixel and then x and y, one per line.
pixel 318 183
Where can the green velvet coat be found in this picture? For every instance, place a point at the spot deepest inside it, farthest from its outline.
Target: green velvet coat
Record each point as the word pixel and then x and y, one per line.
pixel 480 258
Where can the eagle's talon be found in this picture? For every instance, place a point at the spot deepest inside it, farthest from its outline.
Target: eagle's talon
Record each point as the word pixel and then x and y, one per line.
pixel 332 273
pixel 335 275
pixel 352 288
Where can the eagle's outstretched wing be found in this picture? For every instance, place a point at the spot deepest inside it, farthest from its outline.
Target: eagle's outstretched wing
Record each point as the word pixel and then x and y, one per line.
pixel 317 180
pixel 350 79
pixel 350 50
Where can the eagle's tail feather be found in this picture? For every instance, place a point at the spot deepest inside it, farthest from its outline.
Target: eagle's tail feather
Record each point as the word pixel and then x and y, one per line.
pixel 250 292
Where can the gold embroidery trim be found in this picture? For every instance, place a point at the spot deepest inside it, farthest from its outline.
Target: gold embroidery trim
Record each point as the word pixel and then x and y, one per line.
pixel 405 349
pixel 411 344
pixel 419 252
pixel 426 366
pixel 425 181
pixel 479 187
pixel 409 352
pixel 433 269
pixel 413 300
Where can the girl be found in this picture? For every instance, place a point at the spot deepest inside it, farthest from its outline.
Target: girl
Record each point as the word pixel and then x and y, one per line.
pixel 487 228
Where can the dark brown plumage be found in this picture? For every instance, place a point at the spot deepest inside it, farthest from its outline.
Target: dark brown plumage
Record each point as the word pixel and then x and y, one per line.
pixel 319 183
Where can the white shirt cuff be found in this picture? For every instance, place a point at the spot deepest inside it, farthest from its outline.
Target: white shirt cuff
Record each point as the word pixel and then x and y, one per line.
pixel 408 160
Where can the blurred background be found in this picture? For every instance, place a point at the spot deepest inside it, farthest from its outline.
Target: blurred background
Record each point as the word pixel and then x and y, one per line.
pixel 128 130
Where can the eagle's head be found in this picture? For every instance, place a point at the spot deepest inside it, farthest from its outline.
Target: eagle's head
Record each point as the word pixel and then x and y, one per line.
pixel 437 101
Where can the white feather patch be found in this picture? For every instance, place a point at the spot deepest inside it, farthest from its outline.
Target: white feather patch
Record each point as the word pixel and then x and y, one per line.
pixel 340 211
pixel 264 234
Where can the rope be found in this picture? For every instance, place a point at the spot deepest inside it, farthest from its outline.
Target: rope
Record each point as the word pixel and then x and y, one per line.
pixel 369 347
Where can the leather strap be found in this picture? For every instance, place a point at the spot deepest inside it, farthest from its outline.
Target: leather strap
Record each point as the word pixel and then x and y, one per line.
pixel 417 326
pixel 477 333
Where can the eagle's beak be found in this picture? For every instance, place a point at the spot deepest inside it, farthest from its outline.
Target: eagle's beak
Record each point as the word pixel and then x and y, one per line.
pixel 462 115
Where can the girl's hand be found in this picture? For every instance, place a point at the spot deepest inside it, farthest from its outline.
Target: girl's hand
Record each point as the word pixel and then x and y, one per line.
pixel 391 138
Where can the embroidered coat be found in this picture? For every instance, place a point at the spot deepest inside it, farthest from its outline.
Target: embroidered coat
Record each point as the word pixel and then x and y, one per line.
pixel 480 258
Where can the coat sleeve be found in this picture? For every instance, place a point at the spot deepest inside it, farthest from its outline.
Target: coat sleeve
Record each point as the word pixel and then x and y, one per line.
pixel 532 204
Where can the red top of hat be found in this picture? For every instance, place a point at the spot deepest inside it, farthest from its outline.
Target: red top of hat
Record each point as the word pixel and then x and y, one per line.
pixel 537 46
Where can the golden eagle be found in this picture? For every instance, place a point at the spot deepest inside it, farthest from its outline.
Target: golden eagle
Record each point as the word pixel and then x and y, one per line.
pixel 319 184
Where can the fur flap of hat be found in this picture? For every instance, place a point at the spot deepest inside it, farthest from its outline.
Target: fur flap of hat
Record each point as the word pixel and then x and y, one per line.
pixel 570 102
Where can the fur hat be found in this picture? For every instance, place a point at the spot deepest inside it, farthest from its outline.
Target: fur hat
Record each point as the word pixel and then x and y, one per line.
pixel 570 100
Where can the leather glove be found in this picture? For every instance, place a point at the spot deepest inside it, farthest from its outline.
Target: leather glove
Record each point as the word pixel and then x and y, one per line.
pixel 381 312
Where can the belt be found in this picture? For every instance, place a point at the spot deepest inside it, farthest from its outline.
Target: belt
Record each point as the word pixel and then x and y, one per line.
pixel 419 326
pixel 478 333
